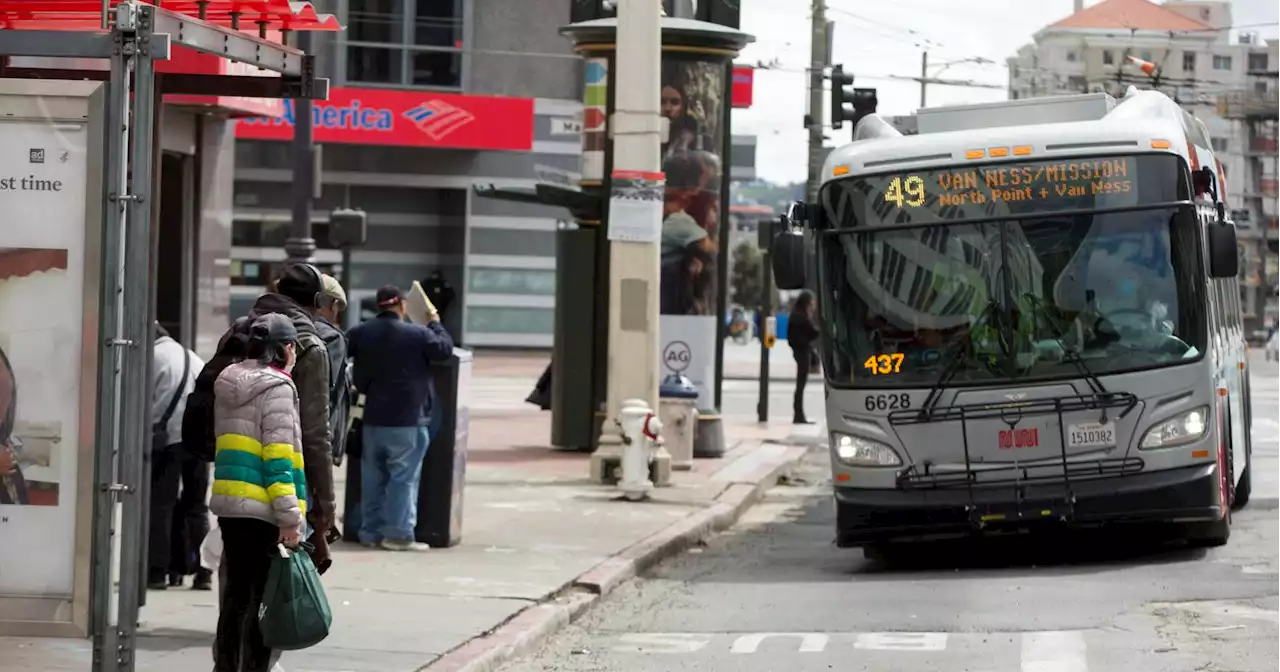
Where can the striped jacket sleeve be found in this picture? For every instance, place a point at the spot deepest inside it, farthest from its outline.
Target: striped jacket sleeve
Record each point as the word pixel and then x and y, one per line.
pixel 281 455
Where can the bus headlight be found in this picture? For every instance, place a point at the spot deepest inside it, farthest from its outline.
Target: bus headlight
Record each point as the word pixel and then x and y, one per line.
pixel 859 452
pixel 1178 430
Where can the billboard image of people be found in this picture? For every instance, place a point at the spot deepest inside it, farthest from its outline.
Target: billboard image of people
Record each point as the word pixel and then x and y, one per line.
pixel 30 438
pixel 692 101
pixel 694 94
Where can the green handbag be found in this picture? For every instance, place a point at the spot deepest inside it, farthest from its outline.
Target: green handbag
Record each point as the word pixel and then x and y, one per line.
pixel 295 613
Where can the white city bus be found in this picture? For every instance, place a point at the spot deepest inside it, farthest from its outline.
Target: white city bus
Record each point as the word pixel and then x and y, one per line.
pixel 1030 316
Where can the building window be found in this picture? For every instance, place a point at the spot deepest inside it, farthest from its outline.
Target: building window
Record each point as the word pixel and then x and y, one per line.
pixel 1218 144
pixel 1108 58
pixel 1077 83
pixel 1221 62
pixel 1260 87
pixel 414 43
pixel 1257 62
pixel 1071 56
pixel 1188 61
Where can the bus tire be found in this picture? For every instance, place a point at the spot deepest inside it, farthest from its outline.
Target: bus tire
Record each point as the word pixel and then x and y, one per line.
pixel 1245 487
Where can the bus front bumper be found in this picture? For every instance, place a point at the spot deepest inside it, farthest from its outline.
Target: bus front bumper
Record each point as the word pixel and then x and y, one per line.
pixel 1174 495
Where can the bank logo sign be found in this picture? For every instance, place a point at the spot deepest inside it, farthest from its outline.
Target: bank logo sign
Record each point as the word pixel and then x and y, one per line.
pixel 438 119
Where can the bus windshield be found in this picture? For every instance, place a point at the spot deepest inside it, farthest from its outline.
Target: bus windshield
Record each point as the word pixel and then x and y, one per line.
pixel 1023 298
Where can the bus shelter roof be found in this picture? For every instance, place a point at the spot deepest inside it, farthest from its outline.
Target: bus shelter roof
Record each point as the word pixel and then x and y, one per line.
pixel 86 15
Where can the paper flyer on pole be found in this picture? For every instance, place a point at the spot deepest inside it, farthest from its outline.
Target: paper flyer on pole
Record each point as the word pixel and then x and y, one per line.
pixel 43 178
pixel 635 206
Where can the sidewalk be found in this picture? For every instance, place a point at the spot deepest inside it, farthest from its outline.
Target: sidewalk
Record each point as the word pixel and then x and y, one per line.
pixel 539 543
pixel 741 362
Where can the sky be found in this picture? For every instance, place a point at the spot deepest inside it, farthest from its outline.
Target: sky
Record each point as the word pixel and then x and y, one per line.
pixel 876 40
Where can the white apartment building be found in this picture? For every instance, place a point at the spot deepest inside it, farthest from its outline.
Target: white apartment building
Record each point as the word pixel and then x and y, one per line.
pixel 1228 83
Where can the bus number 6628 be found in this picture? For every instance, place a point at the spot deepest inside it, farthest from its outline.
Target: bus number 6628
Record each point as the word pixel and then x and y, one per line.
pixel 888 402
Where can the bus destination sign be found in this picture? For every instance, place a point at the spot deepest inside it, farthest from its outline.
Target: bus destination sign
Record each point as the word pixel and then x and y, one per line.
pixel 1022 183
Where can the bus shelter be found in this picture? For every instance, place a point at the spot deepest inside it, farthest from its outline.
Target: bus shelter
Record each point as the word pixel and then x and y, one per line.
pixel 78 162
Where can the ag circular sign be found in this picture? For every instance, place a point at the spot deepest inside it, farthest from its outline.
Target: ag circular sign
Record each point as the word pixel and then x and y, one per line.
pixel 676 356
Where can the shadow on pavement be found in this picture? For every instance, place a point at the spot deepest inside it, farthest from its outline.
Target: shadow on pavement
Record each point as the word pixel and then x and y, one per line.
pixel 798 547
pixel 173 639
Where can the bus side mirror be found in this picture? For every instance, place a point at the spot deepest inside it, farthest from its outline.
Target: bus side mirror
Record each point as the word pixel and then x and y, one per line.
pixel 787 254
pixel 1224 258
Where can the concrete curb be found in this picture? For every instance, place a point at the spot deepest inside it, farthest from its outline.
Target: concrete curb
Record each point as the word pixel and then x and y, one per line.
pixel 531 626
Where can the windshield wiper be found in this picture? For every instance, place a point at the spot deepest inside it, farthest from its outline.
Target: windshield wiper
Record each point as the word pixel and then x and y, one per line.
pixel 1070 353
pixel 953 367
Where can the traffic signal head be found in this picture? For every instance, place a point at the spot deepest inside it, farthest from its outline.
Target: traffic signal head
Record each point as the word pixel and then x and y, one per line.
pixel 840 96
pixel 864 103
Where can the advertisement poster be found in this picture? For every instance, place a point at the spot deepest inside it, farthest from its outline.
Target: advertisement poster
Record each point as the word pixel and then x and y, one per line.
pixel 693 102
pixel 43 175
pixel 635 206
pixel 689 348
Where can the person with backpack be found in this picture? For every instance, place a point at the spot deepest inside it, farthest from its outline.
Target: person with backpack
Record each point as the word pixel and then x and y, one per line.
pixel 297 295
pixel 175 520
pixel 327 319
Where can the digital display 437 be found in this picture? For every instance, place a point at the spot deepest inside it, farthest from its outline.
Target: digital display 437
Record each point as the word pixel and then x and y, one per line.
pixel 966 191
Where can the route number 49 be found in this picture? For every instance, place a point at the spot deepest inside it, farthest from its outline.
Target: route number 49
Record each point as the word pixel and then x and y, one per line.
pixel 909 191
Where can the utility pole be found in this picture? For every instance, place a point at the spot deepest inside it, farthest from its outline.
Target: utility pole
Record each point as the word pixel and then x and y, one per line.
pixel 633 360
pixel 300 246
pixel 817 64
pixel 924 75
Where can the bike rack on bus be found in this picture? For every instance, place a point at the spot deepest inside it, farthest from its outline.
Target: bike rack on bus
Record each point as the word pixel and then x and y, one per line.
pixel 1019 476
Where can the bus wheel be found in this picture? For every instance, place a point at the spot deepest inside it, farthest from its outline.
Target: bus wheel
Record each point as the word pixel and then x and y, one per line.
pixel 1212 533
pixel 1245 487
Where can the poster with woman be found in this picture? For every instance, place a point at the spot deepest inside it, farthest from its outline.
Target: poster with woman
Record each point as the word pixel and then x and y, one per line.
pixel 29 454
pixel 693 104
pixel 45 327
pixel 693 99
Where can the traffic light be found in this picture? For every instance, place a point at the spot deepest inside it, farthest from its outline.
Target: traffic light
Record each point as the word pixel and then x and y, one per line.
pixel 840 96
pixel 849 105
pixel 864 103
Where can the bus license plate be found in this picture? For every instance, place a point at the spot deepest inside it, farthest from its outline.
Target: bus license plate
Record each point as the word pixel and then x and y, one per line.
pixel 1091 435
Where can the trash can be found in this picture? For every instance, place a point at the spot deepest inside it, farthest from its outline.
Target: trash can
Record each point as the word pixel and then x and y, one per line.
pixel 445 469
pixel 709 437
pixel 678 410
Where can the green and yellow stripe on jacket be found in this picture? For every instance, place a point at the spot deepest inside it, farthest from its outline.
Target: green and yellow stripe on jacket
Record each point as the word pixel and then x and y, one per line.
pixel 245 469
pixel 258 466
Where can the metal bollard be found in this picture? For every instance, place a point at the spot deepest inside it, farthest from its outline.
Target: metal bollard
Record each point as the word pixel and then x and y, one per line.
pixel 640 429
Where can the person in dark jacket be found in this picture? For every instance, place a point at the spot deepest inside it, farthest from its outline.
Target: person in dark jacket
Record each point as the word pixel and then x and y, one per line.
pixel 298 294
pixel 327 319
pixel 392 360
pixel 802 336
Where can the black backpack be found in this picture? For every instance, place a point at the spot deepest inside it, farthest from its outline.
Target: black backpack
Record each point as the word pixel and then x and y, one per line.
pixel 197 420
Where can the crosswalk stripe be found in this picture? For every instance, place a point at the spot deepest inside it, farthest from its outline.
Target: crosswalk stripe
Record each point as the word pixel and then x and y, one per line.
pixel 1056 651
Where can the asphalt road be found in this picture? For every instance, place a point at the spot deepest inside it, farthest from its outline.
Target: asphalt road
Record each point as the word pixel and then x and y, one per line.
pixel 773 595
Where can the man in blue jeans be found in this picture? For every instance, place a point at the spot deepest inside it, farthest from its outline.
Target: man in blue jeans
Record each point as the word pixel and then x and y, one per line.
pixel 391 366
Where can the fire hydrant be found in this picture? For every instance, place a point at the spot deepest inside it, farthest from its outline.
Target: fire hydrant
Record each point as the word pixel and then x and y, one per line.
pixel 640 430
